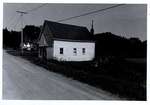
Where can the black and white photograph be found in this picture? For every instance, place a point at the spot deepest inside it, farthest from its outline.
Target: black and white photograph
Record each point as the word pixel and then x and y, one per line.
pixel 74 51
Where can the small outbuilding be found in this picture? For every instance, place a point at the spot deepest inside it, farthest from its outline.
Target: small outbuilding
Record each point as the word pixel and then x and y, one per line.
pixel 64 42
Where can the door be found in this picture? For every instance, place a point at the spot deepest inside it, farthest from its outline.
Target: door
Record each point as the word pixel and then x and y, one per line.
pixel 44 55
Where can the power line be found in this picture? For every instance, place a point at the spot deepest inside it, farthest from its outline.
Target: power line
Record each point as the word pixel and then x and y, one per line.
pixel 14 22
pixel 31 10
pixel 11 20
pixel 88 13
pixel 69 18
pixel 36 8
pixel 17 23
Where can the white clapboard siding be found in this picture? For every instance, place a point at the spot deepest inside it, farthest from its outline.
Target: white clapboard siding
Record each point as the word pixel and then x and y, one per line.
pixel 68 52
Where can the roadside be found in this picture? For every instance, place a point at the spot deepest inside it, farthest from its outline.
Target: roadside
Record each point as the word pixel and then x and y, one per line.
pixel 120 77
pixel 23 80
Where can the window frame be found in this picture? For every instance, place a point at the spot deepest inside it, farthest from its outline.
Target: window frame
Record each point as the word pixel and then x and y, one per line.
pixel 74 51
pixel 61 50
pixel 83 51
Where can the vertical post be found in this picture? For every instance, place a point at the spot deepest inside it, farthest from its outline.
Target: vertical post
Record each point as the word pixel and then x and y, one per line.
pixel 21 43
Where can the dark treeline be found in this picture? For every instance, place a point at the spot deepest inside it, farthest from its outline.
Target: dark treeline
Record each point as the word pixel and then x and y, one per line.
pixel 108 44
pixel 12 39
pixel 31 33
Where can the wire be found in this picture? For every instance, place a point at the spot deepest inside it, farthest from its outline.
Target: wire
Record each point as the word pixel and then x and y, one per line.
pixel 17 23
pixel 11 20
pixel 14 22
pixel 104 9
pixel 85 14
pixel 31 10
pixel 36 8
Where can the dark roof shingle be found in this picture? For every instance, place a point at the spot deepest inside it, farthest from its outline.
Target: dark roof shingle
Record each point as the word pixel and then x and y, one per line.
pixel 66 31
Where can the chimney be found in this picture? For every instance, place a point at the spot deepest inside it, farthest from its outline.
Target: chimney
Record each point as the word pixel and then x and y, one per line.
pixel 92 30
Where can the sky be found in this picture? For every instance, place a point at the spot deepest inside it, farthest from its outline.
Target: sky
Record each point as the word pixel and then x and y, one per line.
pixel 128 20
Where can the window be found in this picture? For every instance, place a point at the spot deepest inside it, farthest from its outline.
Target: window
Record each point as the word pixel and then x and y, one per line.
pixel 61 51
pixel 83 51
pixel 75 51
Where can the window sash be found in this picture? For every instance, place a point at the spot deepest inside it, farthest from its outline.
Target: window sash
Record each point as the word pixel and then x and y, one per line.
pixel 61 50
pixel 83 51
pixel 75 51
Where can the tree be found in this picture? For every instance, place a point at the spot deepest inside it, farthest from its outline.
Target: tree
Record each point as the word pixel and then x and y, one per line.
pixel 108 44
pixel 31 33
pixel 12 39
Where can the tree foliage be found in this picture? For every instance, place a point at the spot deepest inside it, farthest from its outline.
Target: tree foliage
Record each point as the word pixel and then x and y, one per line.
pixel 31 33
pixel 108 44
pixel 12 39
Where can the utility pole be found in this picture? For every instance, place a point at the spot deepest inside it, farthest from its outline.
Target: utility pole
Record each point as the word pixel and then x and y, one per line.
pixel 21 15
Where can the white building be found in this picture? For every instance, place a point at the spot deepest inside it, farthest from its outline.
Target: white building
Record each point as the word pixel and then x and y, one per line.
pixel 65 42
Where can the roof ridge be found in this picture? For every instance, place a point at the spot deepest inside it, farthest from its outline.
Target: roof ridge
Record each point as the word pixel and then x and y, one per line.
pixel 66 24
pixel 67 31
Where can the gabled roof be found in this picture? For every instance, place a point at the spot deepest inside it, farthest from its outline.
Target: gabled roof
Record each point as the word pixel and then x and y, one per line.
pixel 66 31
